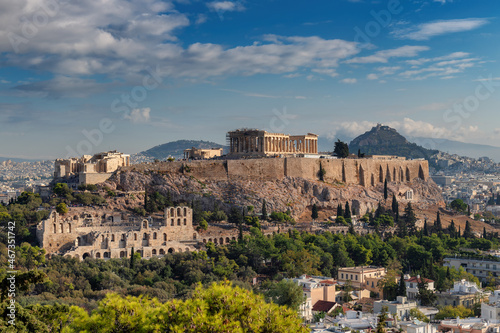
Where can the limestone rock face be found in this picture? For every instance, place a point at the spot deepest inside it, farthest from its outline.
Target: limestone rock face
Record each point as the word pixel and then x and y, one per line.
pixel 294 194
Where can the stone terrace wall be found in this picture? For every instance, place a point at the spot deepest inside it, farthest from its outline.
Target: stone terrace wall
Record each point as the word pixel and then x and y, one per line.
pixel 366 172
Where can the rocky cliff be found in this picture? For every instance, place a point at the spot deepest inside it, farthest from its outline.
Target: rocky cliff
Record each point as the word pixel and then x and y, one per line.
pixel 294 194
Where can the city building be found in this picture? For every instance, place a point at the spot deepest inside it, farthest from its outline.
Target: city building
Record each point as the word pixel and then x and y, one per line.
pixel 412 286
pixel 254 142
pixel 477 267
pixel 202 154
pixel 316 288
pixel 400 307
pixel 359 276
pixel 89 169
pixel 491 311
pixel 417 326
pixel 464 293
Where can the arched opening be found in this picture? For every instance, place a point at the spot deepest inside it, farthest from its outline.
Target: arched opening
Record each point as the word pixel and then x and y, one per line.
pixel 401 175
pixel 106 255
pixel 408 175
pixel 69 227
pixel 361 176
pixel 185 211
pixel 228 240
pixel 172 212
pixel 162 251
pixel 421 174
pixel 164 237
pixel 380 175
pixel 185 221
pixel 55 228
pixel 178 221
pixel 112 237
pixel 373 180
pixel 388 174
pixel 233 238
pixel 215 241
pixel 153 252
pixel 98 255
pixel 209 240
pixel 187 249
pixel 154 235
pixel 145 224
pixel 179 250
pixel 85 255
pixel 394 175
pixel 135 236
pixel 194 236
pixel 178 212
pixel 204 241
pixel 123 254
pixel 61 227
pixel 171 250
pixel 172 222
pixel 102 238
pixel 221 240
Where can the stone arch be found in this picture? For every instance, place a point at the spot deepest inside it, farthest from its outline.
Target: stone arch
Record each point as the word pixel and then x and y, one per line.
pixel 178 221
pixel 144 224
pixel 123 254
pixel 77 256
pixel 186 249
pixel 388 174
pixel 380 175
pixel 55 228
pixel 194 236
pixel 210 239
pixel 85 255
pixel 215 240
pixel 162 251
pixel 408 174
pixel 61 227
pixel 421 174
pixel 178 211
pixel 185 222
pixel 221 240
pixel 98 255
pixel 153 252
pixel 361 176
pixel 172 222
pixel 171 250
pixel 179 250
pixel 233 238
pixel 106 255
pixel 185 211
pixel 373 180
pixel 204 241
pixel 69 227
pixel 401 175
pixel 394 175
pixel 164 237
pixel 112 237
pixel 135 236
pixel 228 240
pixel 154 235
pixel 172 212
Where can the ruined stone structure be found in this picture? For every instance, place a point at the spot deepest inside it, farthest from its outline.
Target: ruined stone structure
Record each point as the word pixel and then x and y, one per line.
pixel 202 154
pixel 113 235
pixel 90 169
pixel 253 142
pixel 364 171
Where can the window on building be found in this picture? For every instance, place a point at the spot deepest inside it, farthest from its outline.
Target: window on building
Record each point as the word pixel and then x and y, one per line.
pixel 112 238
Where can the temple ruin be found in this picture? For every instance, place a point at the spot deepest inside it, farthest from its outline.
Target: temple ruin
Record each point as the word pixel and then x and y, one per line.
pixel 258 143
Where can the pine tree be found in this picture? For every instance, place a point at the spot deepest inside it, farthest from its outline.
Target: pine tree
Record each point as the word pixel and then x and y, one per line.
pixel 402 286
pixel 314 213
pixel 264 210
pixel 386 194
pixel 347 211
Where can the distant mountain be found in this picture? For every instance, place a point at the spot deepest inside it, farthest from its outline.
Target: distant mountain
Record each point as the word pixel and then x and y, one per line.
pixel 176 148
pixel 384 140
pixel 14 159
pixel 460 148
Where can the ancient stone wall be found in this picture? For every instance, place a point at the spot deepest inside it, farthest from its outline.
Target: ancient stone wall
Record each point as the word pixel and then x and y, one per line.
pixel 366 172
pixel 93 178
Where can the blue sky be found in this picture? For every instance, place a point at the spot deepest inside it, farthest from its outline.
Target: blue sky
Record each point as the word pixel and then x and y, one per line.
pixel 84 77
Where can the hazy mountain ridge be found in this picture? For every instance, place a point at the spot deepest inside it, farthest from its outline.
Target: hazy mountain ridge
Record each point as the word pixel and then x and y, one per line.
pixel 176 148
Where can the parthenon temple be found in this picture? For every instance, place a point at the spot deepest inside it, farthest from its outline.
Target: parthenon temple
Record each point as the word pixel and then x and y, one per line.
pixel 262 143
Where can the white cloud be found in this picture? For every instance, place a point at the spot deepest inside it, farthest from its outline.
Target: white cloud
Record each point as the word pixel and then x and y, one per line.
pixel 349 80
pixel 139 115
pixel 384 55
pixel 372 76
pixel 425 31
pixel 225 6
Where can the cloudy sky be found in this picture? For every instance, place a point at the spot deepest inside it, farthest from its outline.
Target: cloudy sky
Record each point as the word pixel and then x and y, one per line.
pixel 87 76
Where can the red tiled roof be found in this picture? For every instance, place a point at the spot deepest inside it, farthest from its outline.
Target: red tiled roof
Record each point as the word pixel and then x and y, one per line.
pixel 323 306
pixel 327 282
pixel 418 280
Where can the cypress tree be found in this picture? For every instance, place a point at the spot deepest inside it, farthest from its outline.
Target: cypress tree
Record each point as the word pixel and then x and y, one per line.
pixel 132 259
pixel 452 230
pixel 410 219
pixel 468 210
pixel 394 204
pixel 459 234
pixel 347 211
pixel 468 230
pixel 484 233
pixel 340 211
pixel 425 231
pixel 386 194
pixel 264 210
pixel 402 286
pixel 314 213
pixel 437 224
pixel 498 200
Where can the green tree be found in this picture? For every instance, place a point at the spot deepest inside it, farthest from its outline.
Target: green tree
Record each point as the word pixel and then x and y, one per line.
pixel 314 213
pixel 402 286
pixel 346 295
pixel 450 311
pixel 458 205
pixel 410 219
pixel 341 149
pixel 468 234
pixel 340 211
pixel 425 296
pixel 382 318
pixel 264 210
pixel 347 211
pixel 417 314
pixel 438 226
pixel 62 208
pixel 62 190
pixel 425 230
pixel 285 292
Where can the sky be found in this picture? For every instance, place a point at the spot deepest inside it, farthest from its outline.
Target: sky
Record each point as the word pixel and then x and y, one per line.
pixel 80 77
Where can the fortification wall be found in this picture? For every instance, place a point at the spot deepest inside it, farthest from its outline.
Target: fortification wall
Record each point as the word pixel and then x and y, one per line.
pixel 366 172
pixel 93 178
